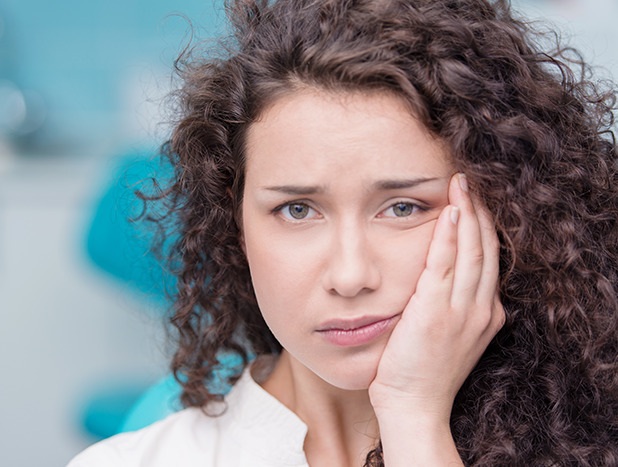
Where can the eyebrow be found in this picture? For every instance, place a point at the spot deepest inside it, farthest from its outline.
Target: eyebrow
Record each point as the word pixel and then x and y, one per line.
pixel 296 189
pixel 383 185
pixel 401 184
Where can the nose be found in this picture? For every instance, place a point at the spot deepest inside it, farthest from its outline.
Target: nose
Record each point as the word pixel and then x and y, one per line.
pixel 351 268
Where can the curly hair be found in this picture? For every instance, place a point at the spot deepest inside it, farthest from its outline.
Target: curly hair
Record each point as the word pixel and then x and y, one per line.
pixel 528 127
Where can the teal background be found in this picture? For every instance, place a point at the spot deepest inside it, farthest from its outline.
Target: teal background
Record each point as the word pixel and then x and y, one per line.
pixel 78 55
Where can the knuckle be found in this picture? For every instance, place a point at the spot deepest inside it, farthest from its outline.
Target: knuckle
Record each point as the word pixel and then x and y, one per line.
pixel 484 319
pixel 441 271
pixel 500 314
pixel 477 256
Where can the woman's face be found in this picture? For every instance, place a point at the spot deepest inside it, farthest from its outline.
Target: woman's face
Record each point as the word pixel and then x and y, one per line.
pixel 341 196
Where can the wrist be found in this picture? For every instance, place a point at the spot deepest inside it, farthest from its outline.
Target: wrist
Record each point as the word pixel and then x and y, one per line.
pixel 415 430
pixel 393 404
pixel 413 439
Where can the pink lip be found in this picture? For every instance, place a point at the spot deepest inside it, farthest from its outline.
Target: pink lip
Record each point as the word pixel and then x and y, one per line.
pixel 347 333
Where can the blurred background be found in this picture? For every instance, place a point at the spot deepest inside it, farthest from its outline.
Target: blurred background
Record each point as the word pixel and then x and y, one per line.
pixel 82 112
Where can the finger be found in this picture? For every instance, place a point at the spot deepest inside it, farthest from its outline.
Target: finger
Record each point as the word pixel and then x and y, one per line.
pixel 435 283
pixel 469 262
pixel 488 294
pixel 488 284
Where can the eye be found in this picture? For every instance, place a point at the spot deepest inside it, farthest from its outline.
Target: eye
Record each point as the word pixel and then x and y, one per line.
pixel 297 211
pixel 402 209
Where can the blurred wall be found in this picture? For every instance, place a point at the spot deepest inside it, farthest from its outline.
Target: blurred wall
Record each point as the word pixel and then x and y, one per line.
pixel 589 25
pixel 82 57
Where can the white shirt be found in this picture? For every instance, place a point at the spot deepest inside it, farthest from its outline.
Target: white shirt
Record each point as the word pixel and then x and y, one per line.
pixel 255 430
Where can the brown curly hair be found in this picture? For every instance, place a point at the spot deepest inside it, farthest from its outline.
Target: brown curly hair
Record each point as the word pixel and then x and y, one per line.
pixel 532 133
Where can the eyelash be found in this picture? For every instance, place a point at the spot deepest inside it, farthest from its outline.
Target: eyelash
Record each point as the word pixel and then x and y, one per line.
pixel 279 210
pixel 416 209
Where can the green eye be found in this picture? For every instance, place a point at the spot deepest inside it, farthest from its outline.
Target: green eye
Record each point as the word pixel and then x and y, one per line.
pixel 403 209
pixel 296 211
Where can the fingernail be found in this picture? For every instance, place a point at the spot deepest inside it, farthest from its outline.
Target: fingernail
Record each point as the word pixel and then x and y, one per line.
pixel 463 182
pixel 454 214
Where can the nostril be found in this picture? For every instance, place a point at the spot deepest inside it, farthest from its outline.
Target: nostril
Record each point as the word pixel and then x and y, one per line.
pixel 351 277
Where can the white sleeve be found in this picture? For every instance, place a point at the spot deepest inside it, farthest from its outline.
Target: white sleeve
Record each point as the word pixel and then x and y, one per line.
pixel 140 448
pixel 187 438
pixel 101 454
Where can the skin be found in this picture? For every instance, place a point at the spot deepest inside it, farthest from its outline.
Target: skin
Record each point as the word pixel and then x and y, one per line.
pixel 351 214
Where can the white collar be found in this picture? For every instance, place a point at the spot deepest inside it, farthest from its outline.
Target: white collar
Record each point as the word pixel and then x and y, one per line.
pixel 275 433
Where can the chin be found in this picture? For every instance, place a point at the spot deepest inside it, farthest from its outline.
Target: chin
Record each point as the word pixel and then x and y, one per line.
pixel 350 376
pixel 352 384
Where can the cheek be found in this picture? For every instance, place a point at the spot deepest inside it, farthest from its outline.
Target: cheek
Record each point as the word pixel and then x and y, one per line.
pixel 405 255
pixel 279 271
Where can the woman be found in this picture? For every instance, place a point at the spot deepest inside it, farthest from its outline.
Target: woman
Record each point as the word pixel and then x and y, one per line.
pixel 407 210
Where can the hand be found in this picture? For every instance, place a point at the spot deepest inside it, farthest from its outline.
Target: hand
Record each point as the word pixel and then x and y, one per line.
pixel 450 319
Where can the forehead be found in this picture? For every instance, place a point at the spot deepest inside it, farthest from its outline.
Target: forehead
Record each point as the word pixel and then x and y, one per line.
pixel 314 132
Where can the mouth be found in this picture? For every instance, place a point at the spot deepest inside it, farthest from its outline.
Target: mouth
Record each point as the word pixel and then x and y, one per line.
pixel 348 333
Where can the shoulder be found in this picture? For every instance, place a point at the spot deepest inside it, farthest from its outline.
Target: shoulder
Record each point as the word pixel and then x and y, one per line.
pixel 185 438
pixel 250 428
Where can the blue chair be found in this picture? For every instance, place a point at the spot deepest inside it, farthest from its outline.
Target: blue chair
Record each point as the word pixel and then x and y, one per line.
pixel 158 401
pixel 119 242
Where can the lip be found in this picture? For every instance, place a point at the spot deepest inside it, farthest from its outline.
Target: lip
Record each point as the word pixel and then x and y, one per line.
pixel 355 332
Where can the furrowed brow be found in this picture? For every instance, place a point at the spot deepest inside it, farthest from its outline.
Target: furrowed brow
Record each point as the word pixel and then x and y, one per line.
pixel 303 190
pixel 296 190
pixel 402 184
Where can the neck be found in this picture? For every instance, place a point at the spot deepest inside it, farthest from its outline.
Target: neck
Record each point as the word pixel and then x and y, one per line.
pixel 341 425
